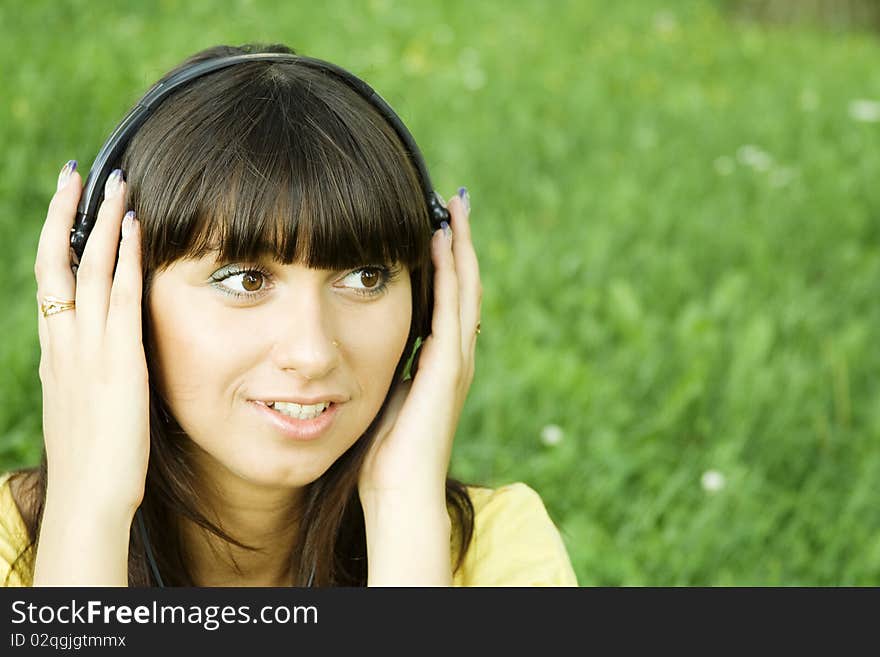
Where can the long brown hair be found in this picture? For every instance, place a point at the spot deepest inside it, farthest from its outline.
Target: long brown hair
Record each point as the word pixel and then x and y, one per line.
pixel 271 158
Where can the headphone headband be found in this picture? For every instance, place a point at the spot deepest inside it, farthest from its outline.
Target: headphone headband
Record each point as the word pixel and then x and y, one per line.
pixel 93 191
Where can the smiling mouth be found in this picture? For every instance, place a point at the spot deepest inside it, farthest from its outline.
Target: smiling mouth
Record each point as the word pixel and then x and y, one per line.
pixel 299 428
pixel 298 411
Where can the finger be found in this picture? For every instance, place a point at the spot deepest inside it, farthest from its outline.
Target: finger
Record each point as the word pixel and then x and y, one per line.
pixel 95 274
pixel 445 324
pixel 468 269
pixel 124 314
pixel 52 263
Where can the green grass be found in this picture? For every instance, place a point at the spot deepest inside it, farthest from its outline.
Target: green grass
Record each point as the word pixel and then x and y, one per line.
pixel 678 224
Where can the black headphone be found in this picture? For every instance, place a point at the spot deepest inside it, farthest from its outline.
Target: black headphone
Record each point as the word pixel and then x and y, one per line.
pixel 93 191
pixel 105 161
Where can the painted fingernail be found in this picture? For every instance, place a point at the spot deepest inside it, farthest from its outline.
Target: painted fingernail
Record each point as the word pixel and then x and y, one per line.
pixel 64 176
pixel 127 222
pixel 447 231
pixel 464 196
pixel 113 184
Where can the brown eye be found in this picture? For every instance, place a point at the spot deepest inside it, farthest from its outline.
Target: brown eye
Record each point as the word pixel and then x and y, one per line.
pixel 370 281
pixel 252 281
pixel 370 278
pixel 247 283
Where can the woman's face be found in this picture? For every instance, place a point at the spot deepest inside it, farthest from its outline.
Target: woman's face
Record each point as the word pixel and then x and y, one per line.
pixel 217 354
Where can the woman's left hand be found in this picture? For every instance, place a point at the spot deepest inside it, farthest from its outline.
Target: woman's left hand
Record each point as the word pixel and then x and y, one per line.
pixel 409 458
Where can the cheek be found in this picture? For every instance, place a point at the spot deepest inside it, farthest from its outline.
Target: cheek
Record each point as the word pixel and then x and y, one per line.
pixel 374 345
pixel 190 361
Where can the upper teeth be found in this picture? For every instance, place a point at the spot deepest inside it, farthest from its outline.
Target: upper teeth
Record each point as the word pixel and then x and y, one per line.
pixel 301 411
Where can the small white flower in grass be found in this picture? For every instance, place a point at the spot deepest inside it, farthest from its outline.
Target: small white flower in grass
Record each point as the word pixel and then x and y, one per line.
pixel 712 481
pixel 755 157
pixel 865 111
pixel 551 435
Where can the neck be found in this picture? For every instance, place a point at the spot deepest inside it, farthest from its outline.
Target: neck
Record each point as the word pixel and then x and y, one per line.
pixel 257 516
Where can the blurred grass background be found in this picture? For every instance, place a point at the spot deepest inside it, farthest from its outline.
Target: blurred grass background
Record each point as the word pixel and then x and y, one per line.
pixel 677 213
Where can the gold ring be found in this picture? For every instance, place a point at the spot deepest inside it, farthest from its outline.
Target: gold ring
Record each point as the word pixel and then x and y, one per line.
pixel 52 305
pixel 478 328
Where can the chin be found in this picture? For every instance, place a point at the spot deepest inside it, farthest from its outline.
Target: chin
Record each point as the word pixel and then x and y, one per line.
pixel 279 476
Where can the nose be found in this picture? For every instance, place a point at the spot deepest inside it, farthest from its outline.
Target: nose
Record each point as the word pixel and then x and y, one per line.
pixel 304 341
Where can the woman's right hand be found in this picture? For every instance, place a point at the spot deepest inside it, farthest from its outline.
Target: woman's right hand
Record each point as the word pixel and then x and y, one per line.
pixel 92 365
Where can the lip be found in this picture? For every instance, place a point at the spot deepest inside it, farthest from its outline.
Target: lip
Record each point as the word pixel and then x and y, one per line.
pixel 303 401
pixel 294 428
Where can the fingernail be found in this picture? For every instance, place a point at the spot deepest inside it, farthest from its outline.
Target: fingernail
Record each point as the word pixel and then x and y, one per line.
pixel 66 171
pixel 464 196
pixel 114 184
pixel 127 222
pixel 447 231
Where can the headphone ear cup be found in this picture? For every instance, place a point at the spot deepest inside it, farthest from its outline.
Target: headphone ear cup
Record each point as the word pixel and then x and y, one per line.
pixel 437 210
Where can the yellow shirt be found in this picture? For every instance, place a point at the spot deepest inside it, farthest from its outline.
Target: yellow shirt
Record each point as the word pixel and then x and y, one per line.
pixel 515 543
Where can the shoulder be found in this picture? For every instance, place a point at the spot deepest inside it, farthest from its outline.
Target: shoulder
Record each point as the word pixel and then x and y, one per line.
pixel 515 542
pixel 14 538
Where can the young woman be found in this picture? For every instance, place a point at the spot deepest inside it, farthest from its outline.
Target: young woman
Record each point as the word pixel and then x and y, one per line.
pixel 264 390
